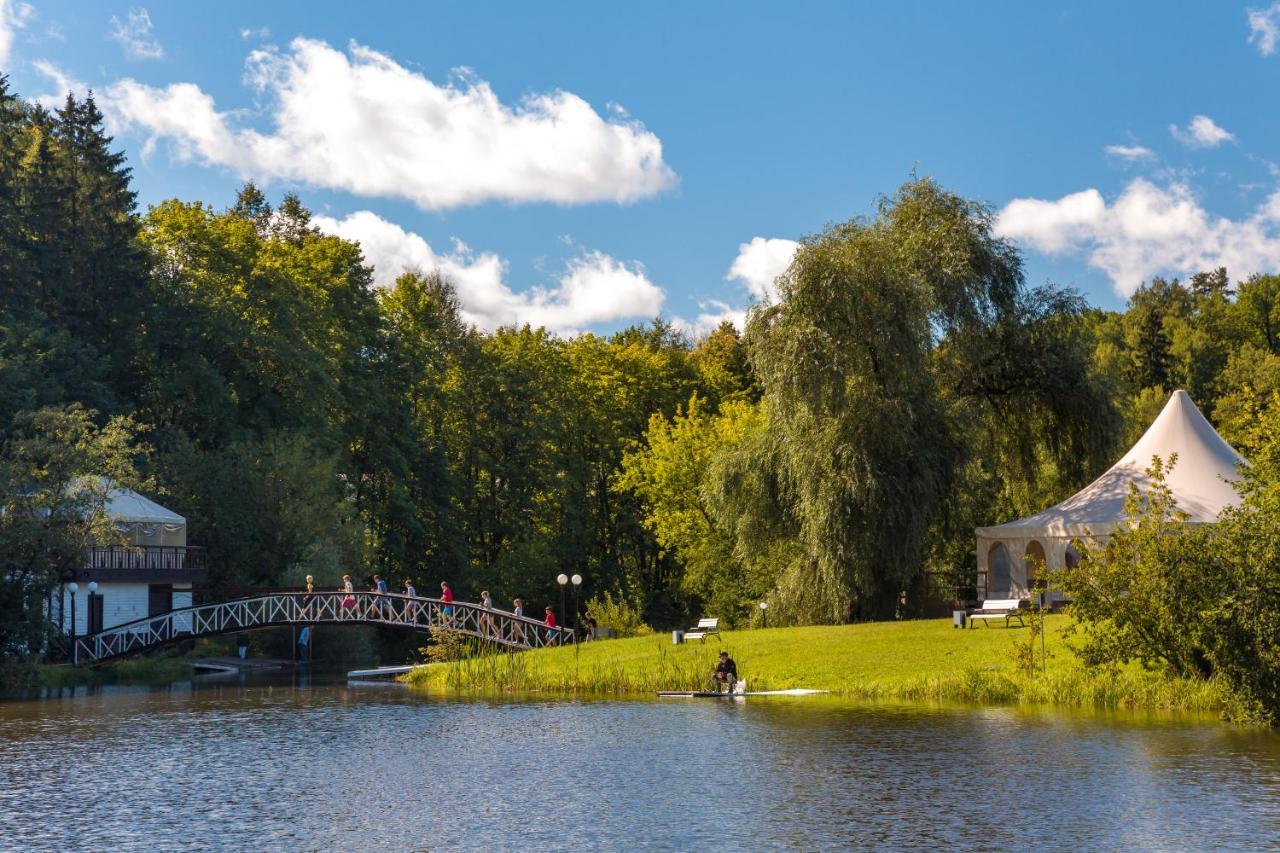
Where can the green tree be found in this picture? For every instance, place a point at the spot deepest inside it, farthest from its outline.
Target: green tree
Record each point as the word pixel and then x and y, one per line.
pixel 56 472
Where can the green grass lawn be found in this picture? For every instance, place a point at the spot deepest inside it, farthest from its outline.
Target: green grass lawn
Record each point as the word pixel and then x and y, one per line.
pixel 925 660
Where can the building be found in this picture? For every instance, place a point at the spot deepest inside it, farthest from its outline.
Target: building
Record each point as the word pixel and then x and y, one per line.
pixel 156 571
pixel 1202 483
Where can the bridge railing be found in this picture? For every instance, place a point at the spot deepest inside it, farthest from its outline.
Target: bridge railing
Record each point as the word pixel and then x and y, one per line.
pixel 329 607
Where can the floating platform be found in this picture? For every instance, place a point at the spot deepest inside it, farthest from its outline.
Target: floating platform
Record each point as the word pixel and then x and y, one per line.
pixel 707 694
pixel 379 672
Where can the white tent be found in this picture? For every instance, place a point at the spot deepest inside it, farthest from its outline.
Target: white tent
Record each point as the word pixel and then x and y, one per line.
pixel 1201 482
pixel 146 521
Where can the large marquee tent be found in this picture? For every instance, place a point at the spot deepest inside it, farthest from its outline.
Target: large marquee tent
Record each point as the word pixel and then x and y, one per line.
pixel 1201 482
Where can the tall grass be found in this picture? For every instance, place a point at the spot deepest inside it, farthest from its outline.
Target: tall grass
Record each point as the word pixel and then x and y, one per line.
pixel 917 662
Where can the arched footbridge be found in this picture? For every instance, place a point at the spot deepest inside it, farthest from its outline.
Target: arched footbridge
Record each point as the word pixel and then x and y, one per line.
pixel 271 610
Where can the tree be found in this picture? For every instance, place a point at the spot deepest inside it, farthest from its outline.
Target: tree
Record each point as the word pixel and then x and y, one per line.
pixel 56 472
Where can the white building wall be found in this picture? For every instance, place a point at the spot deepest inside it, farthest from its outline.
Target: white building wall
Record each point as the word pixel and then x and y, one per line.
pixel 121 602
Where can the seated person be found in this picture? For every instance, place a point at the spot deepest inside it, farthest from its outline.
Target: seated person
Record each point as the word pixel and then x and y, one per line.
pixel 726 673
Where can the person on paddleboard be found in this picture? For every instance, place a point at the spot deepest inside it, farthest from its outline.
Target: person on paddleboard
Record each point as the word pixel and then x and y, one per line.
pixel 726 673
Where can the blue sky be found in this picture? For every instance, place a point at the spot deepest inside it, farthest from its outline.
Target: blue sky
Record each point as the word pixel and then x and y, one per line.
pixel 602 165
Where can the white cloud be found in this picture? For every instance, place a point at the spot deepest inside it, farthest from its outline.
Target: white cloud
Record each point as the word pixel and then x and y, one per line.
pixel 1202 132
pixel 135 36
pixel 62 84
pixel 1264 28
pixel 1130 153
pixel 760 262
pixel 260 33
pixel 13 17
pixel 594 288
pixel 710 315
pixel 1146 231
pixel 358 121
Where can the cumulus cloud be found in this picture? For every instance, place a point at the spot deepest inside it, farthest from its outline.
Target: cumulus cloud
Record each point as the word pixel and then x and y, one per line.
pixel 1202 132
pixel 259 33
pixel 1146 231
pixel 135 36
pixel 360 122
pixel 760 262
pixel 1264 28
pixel 1130 153
pixel 711 314
pixel 594 288
pixel 13 17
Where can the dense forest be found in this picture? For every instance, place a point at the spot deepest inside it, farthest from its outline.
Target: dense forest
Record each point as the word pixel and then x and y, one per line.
pixel 832 459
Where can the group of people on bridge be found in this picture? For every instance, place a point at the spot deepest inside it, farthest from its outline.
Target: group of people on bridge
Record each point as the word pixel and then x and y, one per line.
pixel 486 625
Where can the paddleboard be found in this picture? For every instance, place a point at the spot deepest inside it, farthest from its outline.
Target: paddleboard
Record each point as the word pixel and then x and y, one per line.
pixel 699 694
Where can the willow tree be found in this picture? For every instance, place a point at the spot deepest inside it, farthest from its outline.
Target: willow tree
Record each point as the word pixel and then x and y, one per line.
pixel 877 321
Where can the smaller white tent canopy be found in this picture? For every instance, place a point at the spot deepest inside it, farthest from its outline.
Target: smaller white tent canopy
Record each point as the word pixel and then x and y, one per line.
pixel 128 506
pixel 1201 482
pixel 145 520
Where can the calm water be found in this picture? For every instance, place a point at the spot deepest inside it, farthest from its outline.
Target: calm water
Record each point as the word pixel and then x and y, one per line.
pixel 236 765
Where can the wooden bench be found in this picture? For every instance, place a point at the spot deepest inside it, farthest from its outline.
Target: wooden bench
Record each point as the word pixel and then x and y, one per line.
pixel 703 629
pixel 999 608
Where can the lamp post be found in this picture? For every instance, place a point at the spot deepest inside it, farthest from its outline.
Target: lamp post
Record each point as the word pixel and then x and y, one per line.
pixel 764 614
pixel 577 585
pixel 73 588
pixel 88 613
pixel 562 579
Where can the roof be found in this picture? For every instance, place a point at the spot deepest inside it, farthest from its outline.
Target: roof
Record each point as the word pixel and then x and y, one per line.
pixel 128 505
pixel 1201 479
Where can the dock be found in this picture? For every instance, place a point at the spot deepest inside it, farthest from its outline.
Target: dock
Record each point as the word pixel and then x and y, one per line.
pixel 380 672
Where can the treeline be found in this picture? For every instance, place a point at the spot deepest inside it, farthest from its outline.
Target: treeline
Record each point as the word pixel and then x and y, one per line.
pixel 832 460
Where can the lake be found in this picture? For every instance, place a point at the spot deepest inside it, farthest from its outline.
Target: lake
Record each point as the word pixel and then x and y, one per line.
pixel 304 764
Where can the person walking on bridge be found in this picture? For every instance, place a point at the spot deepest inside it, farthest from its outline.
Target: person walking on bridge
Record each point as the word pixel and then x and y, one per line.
pixel 380 584
pixel 486 617
pixel 550 622
pixel 517 627
pixel 411 592
pixel 348 596
pixel 446 598
pixel 306 599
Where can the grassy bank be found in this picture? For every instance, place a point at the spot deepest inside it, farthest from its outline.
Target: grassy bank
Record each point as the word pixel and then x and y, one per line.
pixel 924 660
pixel 141 670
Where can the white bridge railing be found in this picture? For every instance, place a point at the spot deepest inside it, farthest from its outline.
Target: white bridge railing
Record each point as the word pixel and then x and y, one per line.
pixel 318 608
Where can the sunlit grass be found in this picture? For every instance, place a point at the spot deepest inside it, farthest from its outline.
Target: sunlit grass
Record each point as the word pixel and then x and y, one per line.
pixel 925 660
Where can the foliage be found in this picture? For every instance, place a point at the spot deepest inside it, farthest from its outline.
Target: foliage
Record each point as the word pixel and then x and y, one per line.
pixel 616 615
pixel 1196 600
pixel 56 471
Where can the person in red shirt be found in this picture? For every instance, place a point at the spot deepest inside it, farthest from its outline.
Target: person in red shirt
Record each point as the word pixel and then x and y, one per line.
pixel 551 626
pixel 446 596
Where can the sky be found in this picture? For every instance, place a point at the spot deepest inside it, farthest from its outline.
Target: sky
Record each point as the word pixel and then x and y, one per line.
pixel 585 167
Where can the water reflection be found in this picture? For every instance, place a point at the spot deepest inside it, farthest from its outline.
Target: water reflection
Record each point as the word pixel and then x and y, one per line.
pixel 304 763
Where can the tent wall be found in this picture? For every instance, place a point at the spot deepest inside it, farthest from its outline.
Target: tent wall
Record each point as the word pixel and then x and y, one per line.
pixel 1055 557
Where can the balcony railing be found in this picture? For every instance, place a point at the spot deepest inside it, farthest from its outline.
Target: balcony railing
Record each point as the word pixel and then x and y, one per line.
pixel 147 557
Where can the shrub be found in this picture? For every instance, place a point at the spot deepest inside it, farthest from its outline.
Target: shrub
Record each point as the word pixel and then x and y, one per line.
pixel 1198 600
pixel 617 615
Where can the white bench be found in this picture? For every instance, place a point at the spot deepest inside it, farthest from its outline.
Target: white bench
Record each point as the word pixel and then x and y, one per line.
pixel 703 629
pixel 999 608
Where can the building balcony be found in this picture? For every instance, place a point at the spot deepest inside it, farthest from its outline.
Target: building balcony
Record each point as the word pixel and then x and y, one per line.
pixel 146 563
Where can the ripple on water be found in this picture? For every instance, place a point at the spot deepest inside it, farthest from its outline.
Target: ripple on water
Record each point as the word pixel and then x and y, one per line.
pixel 232 766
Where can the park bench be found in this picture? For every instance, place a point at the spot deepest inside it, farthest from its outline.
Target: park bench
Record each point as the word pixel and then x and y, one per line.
pixel 703 629
pixel 999 608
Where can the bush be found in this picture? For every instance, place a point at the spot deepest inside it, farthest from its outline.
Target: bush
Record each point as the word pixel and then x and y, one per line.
pixel 617 616
pixel 1197 600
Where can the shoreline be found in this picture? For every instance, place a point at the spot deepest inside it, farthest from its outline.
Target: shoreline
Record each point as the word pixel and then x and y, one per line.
pixel 923 661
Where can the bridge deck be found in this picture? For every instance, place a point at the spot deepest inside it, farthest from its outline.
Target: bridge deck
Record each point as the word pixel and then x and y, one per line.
pixel 320 608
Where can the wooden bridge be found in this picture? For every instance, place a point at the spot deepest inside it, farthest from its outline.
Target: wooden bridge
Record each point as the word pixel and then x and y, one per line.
pixel 275 609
